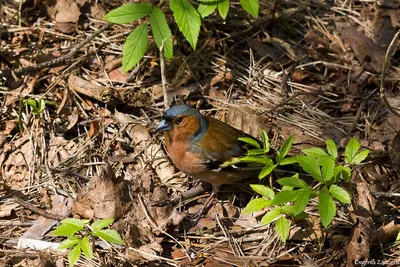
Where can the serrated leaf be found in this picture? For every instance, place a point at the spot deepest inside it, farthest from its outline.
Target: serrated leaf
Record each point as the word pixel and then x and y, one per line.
pixel 128 13
pixel 70 242
pixel 188 20
pixel 310 165
pixel 284 149
pixel 255 152
pixel 266 171
pixel 161 32
pixel 86 248
pixel 256 205
pixel 257 159
pixel 284 196
pixel 263 190
pixel 100 224
pixel 331 147
pixel 251 6
pixel 288 161
pixel 360 156
pixel 293 181
pixel 346 173
pixel 206 10
pixel 223 8
pixel 109 235
pixel 315 152
pixel 327 167
pixel 270 216
pixel 282 227
pixel 326 207
pixel 250 141
pixel 69 227
pixel 301 200
pixel 134 48
pixel 340 194
pixel 74 255
pixel 351 150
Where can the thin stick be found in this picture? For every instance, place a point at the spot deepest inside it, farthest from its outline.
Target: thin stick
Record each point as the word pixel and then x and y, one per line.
pixel 163 79
pixel 65 57
pixel 384 68
pixel 41 212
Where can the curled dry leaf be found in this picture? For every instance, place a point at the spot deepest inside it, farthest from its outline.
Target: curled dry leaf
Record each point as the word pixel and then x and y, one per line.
pixel 246 119
pixel 100 198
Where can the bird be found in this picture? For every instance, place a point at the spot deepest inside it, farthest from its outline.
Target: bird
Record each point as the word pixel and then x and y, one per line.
pixel 205 148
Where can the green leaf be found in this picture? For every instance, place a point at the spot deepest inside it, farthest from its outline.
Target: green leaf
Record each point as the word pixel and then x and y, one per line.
pixel 256 205
pixel 301 200
pixel 70 242
pixel 134 48
pixel 129 13
pixel 310 165
pixel 282 227
pixel 293 181
pixel 270 216
pixel 41 105
pixel 346 173
pixel 336 172
pixel 327 167
pixel 315 152
pixel 265 141
pixel 288 210
pixel 188 20
pixel 331 147
pixel 161 32
pixel 86 248
pixel 250 141
pixel 69 227
pixel 100 224
pixel 340 194
pixel 74 254
pixel 284 196
pixel 263 190
pixel 284 149
pixel 206 10
pixel 255 152
pixel 351 149
pixel 266 171
pixel 109 235
pixel 359 157
pixel 257 159
pixel 326 207
pixel 251 6
pixel 288 161
pixel 223 8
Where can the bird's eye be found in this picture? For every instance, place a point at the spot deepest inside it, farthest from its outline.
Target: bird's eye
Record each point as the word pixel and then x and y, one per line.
pixel 179 119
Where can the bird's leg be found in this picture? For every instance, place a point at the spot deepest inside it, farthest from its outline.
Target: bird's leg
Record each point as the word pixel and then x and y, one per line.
pixel 195 219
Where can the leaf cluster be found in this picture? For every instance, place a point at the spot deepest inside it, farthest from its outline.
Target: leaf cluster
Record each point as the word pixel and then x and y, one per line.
pixel 186 16
pixel 295 194
pixel 80 236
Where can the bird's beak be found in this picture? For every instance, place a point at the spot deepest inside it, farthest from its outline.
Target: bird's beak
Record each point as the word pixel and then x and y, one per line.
pixel 163 126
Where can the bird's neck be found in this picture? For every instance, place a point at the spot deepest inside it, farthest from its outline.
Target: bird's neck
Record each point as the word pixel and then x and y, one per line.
pixel 201 131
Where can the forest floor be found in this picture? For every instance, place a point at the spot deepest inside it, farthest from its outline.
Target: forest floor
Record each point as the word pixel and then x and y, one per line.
pixel 313 69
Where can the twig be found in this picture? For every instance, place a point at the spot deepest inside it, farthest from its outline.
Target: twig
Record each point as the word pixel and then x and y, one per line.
pixel 389 52
pixel 154 224
pixel 65 57
pixel 163 79
pixel 41 212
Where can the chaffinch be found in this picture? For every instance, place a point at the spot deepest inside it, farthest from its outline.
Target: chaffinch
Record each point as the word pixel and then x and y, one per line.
pixel 201 146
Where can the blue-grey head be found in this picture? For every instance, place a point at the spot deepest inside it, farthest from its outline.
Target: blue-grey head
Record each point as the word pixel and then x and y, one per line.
pixel 182 116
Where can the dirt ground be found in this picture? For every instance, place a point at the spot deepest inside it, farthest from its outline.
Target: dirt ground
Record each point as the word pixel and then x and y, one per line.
pixel 313 69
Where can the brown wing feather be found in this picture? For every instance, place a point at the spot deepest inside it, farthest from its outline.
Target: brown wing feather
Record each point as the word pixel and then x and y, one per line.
pixel 220 143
